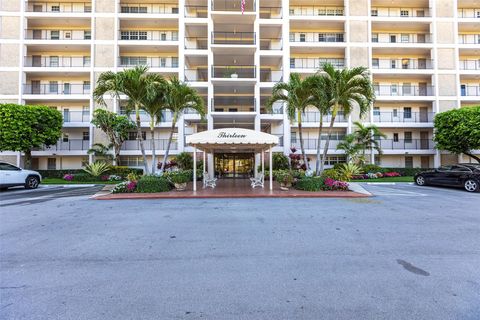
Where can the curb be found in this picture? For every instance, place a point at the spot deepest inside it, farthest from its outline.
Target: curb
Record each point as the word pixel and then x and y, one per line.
pixel 106 190
pixel 356 187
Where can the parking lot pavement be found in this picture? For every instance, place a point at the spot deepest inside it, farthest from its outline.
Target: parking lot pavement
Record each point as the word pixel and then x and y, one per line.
pixel 409 189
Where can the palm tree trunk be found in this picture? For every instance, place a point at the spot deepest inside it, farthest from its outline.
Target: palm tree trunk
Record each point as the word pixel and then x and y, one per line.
pixel 319 144
pixel 301 139
pixel 140 138
pixel 327 143
pixel 152 135
pixel 174 121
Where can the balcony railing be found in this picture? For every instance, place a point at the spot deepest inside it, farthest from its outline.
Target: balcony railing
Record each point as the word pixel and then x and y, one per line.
pixel 160 144
pixel 402 64
pixel 405 117
pixel 280 139
pixel 57 61
pixel 196 11
pixel 469 13
pixel 271 44
pixel 311 144
pixel 401 12
pixel 470 91
pixel 70 7
pixel 314 117
pixel 406 144
pixel 316 37
pixel 403 90
pixel 470 64
pixel 236 38
pixel 144 117
pixel 277 107
pixel 315 63
pixel 229 5
pixel 76 116
pixel 149 35
pixel 56 89
pixel 153 62
pixel 39 34
pixel 469 38
pixel 241 72
pixel 401 38
pixel 270 75
pixel 67 145
pixel 270 12
pixel 233 104
pixel 158 8
pixel 196 43
pixel 316 11
pixel 199 74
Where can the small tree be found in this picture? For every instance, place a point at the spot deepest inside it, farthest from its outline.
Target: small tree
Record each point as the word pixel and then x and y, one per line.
pixel 23 128
pixel 366 135
pixel 115 126
pixel 101 152
pixel 458 131
pixel 184 161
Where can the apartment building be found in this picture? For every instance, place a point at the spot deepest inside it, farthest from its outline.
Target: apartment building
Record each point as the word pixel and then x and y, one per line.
pixel 424 58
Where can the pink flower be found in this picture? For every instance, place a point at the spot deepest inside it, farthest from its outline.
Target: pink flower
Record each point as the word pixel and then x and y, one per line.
pixel 131 185
pixel 68 177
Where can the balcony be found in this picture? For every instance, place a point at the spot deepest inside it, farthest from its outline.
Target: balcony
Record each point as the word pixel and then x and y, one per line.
pixel 321 11
pixel 271 13
pixel 470 91
pixel 401 38
pixel 469 13
pixel 234 72
pixel 270 75
pixel 149 35
pixel 403 90
pixel 37 61
pixel 406 144
pixel 235 38
pixel 39 34
pixel 277 108
pixel 469 38
pixel 402 64
pixel 400 12
pixel 196 43
pixel 316 37
pixel 271 44
pixel 314 117
pixel 160 144
pixel 57 89
pixel 311 144
pixel 196 11
pixel 59 7
pixel 196 75
pixel 144 117
pixel 233 104
pixel 280 139
pixel 152 62
pixel 67 145
pixel 228 5
pixel 315 63
pixel 403 117
pixel 76 116
pixel 149 8
pixel 469 64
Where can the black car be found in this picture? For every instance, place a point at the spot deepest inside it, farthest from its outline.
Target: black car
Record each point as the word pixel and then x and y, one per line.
pixel 465 175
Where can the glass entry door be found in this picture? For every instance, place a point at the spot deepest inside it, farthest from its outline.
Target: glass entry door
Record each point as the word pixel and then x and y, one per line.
pixel 234 165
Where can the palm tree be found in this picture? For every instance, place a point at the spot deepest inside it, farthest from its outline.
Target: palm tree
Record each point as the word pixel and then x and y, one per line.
pixel 179 97
pixel 350 147
pixel 365 137
pixel 137 84
pixel 345 89
pixel 101 151
pixel 297 95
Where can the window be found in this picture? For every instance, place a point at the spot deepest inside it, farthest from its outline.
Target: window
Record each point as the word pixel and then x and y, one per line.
pixel 55 8
pixel 54 61
pixel 132 135
pixel 86 61
pixel 174 10
pixel 408 162
pixel 395 112
pixel 395 137
pixel 393 64
pixel 87 9
pixel 407 113
pixel 52 163
pixel 87 35
pixel 408 137
pixel 292 62
pixel 394 89
pixel 376 111
pixel 302 37
pixel 291 37
pixel 404 13
pixel 174 62
pixel 86 136
pixel 68 35
pixel 375 62
pixel 86 86
pixel 339 37
pixel 393 38
pixel 163 62
pixel 53 86
pixel 291 11
pixel 374 13
pixel 375 37
pixel 321 37
pixel 405 38
pixel 405 63
pixel 378 160
pixel 142 35
pixel 293 137
pixel 124 35
pixel 54 35
pixel 407 89
pixel 163 37
pixel 65 137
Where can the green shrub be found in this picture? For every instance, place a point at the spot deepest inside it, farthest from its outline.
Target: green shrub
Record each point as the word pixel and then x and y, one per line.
pixel 372 168
pixel 85 177
pixel 283 176
pixel 310 184
pixel 331 173
pixel 114 170
pixel 181 176
pixel 280 161
pixel 184 161
pixel 148 184
pixel 123 171
pixel 348 171
pixel 97 168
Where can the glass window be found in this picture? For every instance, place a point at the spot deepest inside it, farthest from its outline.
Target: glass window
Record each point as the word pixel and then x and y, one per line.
pixel 395 112
pixel 393 38
pixel 408 162
pixel 393 64
pixel 124 35
pixel 375 37
pixel 302 37
pixel 174 62
pixel 395 137
pixel 8 167
pixel 407 113
pixel 374 13
pixel 65 137
pixel 376 111
pixel 55 8
pixel 405 38
pixel 163 36
pixel 142 35
pixel 86 61
pixel 404 13
pixel 375 62
pixel 408 137
pixel 163 62
pixel 53 61
pixel 85 135
pixel 54 35
pixel 53 87
pixel 87 35
pixel 52 163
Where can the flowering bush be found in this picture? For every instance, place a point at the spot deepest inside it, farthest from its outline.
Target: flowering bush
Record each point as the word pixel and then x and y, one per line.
pixel 104 178
pixel 391 174
pixel 377 175
pixel 68 177
pixel 125 187
pixel 131 185
pixel 113 177
pixel 331 184
pixel 319 183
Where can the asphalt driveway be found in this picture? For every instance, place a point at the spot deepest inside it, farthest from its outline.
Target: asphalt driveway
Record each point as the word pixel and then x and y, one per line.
pixel 407 253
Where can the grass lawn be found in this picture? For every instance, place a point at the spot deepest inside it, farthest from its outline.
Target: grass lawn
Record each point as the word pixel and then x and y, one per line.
pixel 61 181
pixel 387 179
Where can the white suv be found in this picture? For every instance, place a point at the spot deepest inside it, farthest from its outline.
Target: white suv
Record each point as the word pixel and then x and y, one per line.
pixel 11 176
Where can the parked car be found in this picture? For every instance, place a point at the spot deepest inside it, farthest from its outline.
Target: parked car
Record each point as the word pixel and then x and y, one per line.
pixel 11 176
pixel 465 175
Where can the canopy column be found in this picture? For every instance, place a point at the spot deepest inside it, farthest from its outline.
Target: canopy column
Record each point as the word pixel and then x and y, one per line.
pixel 271 169
pixel 263 163
pixel 194 168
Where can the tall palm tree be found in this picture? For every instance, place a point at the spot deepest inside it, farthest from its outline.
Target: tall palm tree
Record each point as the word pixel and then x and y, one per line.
pixel 365 136
pixel 346 89
pixel 136 84
pixel 350 147
pixel 179 97
pixel 297 95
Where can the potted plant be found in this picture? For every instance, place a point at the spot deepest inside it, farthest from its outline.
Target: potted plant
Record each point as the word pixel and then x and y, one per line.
pixel 179 179
pixel 231 72
pixel 285 178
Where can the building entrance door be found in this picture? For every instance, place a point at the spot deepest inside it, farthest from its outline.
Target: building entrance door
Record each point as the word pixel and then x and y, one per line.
pixel 234 165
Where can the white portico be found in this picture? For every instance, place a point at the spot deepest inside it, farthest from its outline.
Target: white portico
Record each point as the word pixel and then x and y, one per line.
pixel 232 140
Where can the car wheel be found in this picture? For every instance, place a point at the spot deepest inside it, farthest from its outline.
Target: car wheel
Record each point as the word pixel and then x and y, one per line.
pixel 420 181
pixel 32 182
pixel 471 185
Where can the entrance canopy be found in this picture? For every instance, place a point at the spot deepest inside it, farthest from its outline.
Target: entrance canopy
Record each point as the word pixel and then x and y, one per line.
pixel 231 140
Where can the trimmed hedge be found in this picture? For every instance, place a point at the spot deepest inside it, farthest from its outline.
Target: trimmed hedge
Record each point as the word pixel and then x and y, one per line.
pixel 148 184
pixel 404 172
pixel 310 184
pixel 118 171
